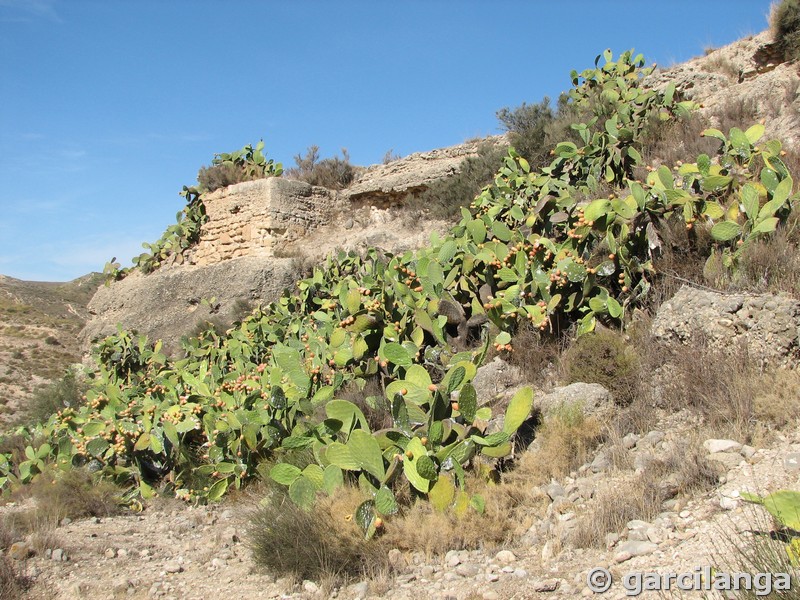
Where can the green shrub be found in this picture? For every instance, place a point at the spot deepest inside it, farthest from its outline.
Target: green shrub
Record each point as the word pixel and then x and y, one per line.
pixel 47 400
pixel 785 20
pixel 604 357
pixel 334 173
pixel 527 125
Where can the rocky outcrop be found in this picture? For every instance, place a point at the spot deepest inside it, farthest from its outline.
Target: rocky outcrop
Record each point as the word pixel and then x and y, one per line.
pixel 255 234
pixel 168 303
pixel 748 72
pixel 766 325
pixel 382 185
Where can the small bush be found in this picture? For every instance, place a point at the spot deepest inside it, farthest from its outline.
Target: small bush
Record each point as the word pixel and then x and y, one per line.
pixel 756 549
pixel 604 357
pixel 74 494
pixel 785 22
pixel 334 173
pixel 527 125
pixel 372 401
pixel 535 353
pixel 215 177
pixel 322 543
pixel 66 392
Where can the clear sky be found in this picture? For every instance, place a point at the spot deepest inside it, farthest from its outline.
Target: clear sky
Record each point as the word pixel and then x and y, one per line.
pixel 108 107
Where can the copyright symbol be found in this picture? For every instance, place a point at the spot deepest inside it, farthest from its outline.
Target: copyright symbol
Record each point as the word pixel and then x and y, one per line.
pixel 599 580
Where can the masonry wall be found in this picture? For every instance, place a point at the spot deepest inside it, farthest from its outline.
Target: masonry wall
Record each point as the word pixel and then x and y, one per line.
pixel 255 217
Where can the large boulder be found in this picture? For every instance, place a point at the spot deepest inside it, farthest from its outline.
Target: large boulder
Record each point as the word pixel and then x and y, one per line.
pixel 168 303
pixel 766 325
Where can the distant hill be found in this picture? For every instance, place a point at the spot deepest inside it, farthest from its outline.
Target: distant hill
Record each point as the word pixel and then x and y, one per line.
pixel 39 326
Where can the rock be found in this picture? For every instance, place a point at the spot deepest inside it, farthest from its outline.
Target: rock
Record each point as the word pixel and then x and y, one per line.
pixel 173 567
pixel 547 585
pixel 767 325
pixel 621 557
pixel 520 573
pixel 792 462
pixel 59 555
pixel 20 551
pixel 728 460
pixel 396 559
pixel 490 595
pixel 359 590
pixel 714 446
pixel 629 441
pixel 505 557
pixel 310 587
pixel 651 440
pixel 548 551
pixel 593 398
pixel 637 548
pixel 452 558
pixel 166 304
pixel 611 540
pixel 600 463
pixel 110 553
pixel 748 452
pixel 412 174
pixel 495 378
pixel 555 490
pixel 728 503
pixel 467 570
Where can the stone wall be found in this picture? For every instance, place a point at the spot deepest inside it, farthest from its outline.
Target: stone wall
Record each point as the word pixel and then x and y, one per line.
pixel 255 218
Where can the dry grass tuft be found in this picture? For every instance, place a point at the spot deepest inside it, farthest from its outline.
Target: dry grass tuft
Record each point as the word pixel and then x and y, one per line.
pixel 614 507
pixel 511 509
pixel 321 544
pixel 564 441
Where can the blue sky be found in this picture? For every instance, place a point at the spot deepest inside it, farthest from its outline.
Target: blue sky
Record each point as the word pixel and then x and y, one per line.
pixel 108 107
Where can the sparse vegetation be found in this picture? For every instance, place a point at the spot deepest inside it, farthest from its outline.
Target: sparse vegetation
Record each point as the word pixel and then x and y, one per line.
pixel 317 544
pixel 48 400
pixel 604 357
pixel 334 173
pixel 445 198
pixel 785 22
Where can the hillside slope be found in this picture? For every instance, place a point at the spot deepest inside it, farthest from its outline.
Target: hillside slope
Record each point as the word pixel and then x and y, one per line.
pixel 39 326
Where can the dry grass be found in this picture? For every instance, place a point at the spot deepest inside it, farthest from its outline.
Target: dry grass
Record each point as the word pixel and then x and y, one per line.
pixel 57 495
pixel 511 508
pixel 564 441
pixel 640 498
pixel 324 543
pixel 11 583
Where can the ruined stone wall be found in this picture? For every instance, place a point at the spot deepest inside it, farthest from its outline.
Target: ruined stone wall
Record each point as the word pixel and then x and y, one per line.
pixel 255 218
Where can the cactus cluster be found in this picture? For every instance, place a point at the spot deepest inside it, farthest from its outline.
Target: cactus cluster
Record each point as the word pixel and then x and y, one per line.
pixel 571 243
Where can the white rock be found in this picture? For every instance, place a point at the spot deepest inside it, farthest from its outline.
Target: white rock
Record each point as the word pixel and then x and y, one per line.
pixel 714 446
pixel 505 557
